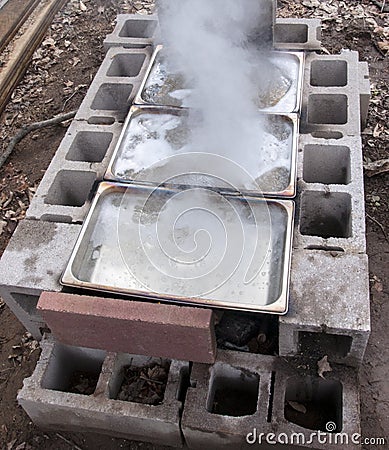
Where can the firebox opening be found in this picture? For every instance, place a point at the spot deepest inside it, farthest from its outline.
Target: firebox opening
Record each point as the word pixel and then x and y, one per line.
pixel 313 403
pixel 248 332
pixel 232 391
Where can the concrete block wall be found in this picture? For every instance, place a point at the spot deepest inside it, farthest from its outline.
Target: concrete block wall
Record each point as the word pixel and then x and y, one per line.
pixel 329 306
pixel 335 95
pixel 209 406
pixel 65 191
pixel 46 398
pixel 32 263
pixel 325 317
pixel 80 162
pixel 241 393
pixel 138 31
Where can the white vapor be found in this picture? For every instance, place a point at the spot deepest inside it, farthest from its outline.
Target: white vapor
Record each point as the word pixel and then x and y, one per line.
pixel 214 44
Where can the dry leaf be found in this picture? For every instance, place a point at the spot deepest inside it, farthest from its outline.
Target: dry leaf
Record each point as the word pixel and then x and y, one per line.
pixel 323 366
pixel 383 45
pixel 377 284
pixel 11 444
pixel 376 167
pixel 68 83
pixel 21 446
pixel 49 42
pixel 82 6
pixel 298 407
pixel 3 224
pixel 58 52
pixel 377 130
pixel 311 3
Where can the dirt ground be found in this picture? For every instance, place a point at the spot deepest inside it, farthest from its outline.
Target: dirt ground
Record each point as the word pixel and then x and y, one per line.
pixel 57 80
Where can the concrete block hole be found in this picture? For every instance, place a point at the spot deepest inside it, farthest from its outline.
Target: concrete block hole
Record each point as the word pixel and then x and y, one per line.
pixel 325 134
pixel 113 97
pixel 73 369
pixel 312 402
pixel 232 391
pixel 327 164
pixel 291 33
pixel 56 218
pixel 327 109
pixel 325 214
pixel 70 188
pixel 101 120
pixel 126 65
pixel 329 73
pixel 320 344
pixel 138 28
pixel 139 379
pixel 89 146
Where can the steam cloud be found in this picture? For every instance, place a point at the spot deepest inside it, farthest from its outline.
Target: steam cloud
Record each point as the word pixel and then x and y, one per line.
pixel 214 44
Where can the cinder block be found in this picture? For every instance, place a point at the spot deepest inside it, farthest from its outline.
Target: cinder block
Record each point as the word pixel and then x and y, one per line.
pixel 33 262
pixel 133 31
pixel 114 86
pixel 297 34
pixel 243 400
pixel 81 160
pixel 329 307
pixel 333 95
pixel 145 328
pixel 46 398
pixel 330 200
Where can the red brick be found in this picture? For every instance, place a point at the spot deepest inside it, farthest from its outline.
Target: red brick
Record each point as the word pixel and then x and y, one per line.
pixel 142 328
